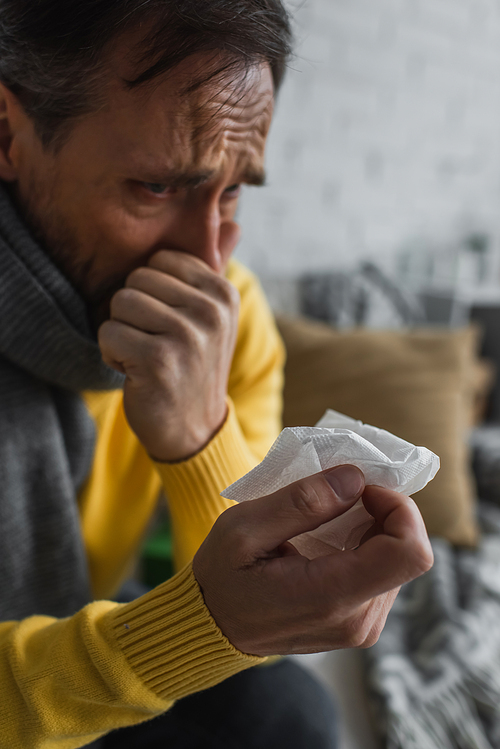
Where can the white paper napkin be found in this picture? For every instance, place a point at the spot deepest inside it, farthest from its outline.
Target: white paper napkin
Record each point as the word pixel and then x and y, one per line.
pixel 386 460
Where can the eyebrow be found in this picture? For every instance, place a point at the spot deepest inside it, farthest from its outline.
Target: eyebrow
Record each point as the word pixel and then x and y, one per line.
pixel 256 177
pixel 191 180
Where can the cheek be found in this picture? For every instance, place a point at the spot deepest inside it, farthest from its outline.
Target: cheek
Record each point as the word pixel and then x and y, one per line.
pixel 122 240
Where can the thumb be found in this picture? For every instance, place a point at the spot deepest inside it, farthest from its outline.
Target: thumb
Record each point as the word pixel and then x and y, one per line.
pixel 300 507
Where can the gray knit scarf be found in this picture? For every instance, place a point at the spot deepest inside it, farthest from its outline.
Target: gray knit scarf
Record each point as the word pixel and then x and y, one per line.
pixel 47 356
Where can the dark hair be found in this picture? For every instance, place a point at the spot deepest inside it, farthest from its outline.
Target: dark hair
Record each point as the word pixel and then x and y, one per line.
pixel 52 52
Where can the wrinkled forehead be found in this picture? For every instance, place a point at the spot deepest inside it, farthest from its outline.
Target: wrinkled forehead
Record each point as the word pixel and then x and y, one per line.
pixel 232 114
pixel 202 119
pixel 229 115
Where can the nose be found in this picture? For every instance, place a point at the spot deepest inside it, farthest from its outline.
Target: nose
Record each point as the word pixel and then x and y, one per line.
pixel 205 234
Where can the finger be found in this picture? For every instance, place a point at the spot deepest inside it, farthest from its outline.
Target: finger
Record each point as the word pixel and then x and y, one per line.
pixel 374 530
pixel 152 315
pixel 168 291
pixel 129 350
pixel 397 514
pixel 182 265
pixel 142 311
pixel 268 522
pixel 166 288
pixel 194 272
pixel 117 341
pixel 188 266
pixel 400 553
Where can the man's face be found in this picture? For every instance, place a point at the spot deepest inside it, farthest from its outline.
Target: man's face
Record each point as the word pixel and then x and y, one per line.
pixel 153 169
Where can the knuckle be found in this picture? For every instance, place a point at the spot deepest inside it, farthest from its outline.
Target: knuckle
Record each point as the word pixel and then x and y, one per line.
pixel 220 284
pixel 422 559
pixel 156 353
pixel 226 292
pixel 221 528
pixel 159 258
pixel 355 639
pixel 233 296
pixel 138 276
pixel 242 538
pixel 181 336
pixel 105 333
pixel 191 336
pixel 109 341
pixel 211 313
pixel 122 300
pixel 373 637
pixel 359 638
pixel 232 529
pixel 306 499
pixel 355 632
pixel 418 558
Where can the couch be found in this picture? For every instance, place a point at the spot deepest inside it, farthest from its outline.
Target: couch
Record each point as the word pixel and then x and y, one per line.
pixel 431 387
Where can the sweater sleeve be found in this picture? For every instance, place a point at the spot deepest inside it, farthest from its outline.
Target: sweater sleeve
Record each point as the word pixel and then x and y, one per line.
pixel 68 681
pixel 254 420
pixel 65 682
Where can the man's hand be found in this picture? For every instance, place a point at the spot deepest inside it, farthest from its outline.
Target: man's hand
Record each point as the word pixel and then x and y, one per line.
pixel 268 599
pixel 172 333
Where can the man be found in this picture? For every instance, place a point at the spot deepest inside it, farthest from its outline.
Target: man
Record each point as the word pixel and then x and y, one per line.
pixel 127 129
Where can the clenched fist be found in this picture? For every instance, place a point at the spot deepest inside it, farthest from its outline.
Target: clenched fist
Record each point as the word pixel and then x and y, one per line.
pixel 172 332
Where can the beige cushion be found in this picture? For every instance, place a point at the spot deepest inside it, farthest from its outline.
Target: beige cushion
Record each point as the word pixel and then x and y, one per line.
pixel 418 385
pixel 483 381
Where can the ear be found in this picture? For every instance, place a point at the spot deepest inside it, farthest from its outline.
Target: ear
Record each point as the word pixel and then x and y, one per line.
pixel 11 115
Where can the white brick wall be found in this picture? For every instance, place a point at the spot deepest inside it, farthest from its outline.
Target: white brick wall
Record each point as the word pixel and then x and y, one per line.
pixel 387 133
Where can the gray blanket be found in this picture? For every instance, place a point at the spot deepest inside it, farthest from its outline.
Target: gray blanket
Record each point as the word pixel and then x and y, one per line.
pixel 435 672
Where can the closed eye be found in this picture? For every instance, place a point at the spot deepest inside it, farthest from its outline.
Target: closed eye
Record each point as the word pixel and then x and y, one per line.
pixel 158 188
pixel 233 190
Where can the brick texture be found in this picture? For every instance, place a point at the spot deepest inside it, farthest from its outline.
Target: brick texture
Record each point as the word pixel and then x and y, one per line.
pixel 387 133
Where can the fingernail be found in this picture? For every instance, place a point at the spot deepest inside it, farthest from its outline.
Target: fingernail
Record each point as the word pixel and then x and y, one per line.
pixel 346 481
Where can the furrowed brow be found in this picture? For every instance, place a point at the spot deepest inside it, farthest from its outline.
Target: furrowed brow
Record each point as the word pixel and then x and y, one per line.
pixel 181 180
pixel 256 177
pixel 191 180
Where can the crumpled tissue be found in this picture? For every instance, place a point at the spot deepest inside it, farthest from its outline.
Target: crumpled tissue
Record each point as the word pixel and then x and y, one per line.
pixel 384 459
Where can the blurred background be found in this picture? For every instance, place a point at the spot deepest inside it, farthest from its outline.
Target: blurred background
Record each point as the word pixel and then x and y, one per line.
pixel 382 211
pixel 385 151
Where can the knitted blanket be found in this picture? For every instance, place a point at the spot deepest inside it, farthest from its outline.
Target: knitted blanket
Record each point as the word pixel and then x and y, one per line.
pixel 435 672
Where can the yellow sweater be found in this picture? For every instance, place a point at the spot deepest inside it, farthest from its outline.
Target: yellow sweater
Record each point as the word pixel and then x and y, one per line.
pixel 66 682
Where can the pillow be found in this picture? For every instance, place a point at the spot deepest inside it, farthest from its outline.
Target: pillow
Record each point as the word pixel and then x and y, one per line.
pixel 483 381
pixel 416 384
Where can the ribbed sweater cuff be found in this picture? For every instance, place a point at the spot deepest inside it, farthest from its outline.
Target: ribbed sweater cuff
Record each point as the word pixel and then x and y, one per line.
pixel 194 485
pixel 171 641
